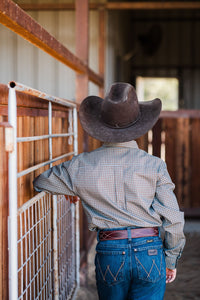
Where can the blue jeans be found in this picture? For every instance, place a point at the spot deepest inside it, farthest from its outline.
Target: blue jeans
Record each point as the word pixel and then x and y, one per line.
pixel 130 269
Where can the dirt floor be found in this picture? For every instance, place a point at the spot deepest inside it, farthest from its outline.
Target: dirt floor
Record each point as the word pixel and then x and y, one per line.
pixel 186 286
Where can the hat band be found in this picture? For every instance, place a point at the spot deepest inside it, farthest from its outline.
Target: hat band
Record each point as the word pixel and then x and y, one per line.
pixel 123 127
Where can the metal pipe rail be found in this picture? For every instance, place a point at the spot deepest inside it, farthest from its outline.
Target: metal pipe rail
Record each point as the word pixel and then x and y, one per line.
pixel 42 137
pixel 25 89
pixel 28 208
pixel 45 163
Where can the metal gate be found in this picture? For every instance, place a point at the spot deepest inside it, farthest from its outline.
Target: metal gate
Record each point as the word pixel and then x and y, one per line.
pixel 43 234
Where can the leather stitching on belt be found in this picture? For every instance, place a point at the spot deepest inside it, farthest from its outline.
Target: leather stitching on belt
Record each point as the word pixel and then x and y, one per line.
pixel 123 234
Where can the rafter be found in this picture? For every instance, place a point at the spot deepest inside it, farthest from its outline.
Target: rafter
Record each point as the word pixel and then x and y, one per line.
pixel 139 5
pixel 16 19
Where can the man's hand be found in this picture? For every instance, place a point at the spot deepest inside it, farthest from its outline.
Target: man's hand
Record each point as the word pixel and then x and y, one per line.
pixel 73 199
pixel 170 275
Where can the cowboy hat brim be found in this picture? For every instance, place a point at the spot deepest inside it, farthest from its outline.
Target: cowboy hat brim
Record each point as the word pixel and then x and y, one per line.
pixel 92 123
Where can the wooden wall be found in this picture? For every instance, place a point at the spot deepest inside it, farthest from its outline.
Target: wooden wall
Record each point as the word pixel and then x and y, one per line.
pixel 176 140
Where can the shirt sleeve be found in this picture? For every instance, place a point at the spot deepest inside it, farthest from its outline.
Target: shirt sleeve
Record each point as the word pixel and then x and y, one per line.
pixel 56 180
pixel 165 204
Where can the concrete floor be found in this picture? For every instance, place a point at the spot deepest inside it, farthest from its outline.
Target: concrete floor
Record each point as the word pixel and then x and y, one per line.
pixel 185 287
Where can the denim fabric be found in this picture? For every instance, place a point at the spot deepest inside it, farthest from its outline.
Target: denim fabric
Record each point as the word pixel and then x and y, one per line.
pixel 130 269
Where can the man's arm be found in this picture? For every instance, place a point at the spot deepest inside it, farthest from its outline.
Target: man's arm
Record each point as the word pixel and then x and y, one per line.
pixel 56 180
pixel 165 204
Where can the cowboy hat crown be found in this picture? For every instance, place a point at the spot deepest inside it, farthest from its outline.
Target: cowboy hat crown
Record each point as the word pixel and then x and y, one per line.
pixel 119 117
pixel 120 107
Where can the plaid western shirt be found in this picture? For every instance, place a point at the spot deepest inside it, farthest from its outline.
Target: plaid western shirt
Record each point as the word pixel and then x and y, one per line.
pixel 121 185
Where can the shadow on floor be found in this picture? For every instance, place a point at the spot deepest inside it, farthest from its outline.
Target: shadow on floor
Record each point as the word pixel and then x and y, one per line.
pixel 185 287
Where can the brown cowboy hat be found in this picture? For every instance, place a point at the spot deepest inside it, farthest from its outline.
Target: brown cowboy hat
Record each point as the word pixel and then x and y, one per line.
pixel 119 117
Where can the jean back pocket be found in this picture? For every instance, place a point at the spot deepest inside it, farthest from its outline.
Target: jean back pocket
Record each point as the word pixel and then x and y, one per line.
pixel 150 263
pixel 110 266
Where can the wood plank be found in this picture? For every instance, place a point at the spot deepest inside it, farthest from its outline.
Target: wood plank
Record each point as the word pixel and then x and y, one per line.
pixel 195 163
pixel 143 142
pixel 32 112
pixel 2 152
pixel 20 161
pixel 156 141
pixel 183 162
pixel 39 145
pixel 144 5
pixel 13 17
pixel 181 113
pixel 4 207
pixel 170 146
pixel 114 5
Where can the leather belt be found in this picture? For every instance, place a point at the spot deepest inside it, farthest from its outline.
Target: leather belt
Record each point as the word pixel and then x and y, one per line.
pixel 123 234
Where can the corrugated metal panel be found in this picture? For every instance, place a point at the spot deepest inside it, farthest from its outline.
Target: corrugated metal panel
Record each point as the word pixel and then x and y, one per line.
pixel 22 62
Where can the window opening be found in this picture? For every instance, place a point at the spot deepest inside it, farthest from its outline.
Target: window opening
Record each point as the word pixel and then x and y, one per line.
pixel 149 88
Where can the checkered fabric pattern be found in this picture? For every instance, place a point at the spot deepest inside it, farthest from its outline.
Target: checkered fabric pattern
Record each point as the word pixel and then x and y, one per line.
pixel 120 186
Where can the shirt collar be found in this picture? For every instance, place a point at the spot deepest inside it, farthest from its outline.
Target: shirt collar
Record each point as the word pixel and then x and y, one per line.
pixel 131 144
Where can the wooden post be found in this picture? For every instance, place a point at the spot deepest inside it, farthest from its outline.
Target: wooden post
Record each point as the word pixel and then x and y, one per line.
pixel 156 142
pixel 82 49
pixel 82 46
pixel 101 47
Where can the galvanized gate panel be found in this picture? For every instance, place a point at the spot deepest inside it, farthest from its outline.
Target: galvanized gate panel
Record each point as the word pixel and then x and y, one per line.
pixel 44 232
pixel 35 251
pixel 66 248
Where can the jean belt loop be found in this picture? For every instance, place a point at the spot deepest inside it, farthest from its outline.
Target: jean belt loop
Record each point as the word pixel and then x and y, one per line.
pixel 129 234
pixel 159 232
pixel 98 230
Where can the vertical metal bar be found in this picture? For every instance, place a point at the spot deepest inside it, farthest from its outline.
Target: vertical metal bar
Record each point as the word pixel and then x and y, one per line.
pixel 36 245
pixel 50 130
pixel 55 240
pixel 29 252
pixel 76 207
pixel 12 226
pixel 55 249
pixel 33 247
pixel 39 247
pixel 26 269
pixel 75 131
pixel 21 249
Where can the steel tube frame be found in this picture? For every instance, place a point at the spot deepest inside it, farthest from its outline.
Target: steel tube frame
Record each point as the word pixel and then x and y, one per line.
pixel 48 162
pixel 13 175
pixel 12 220
pixel 55 249
pixel 42 137
pixel 30 91
pixel 77 235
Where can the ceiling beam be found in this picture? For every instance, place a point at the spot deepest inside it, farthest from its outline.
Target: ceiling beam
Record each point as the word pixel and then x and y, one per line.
pixel 164 5
pixel 16 19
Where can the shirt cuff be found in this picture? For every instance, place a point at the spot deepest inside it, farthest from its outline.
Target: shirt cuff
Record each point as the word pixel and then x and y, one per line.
pixel 35 185
pixel 171 263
